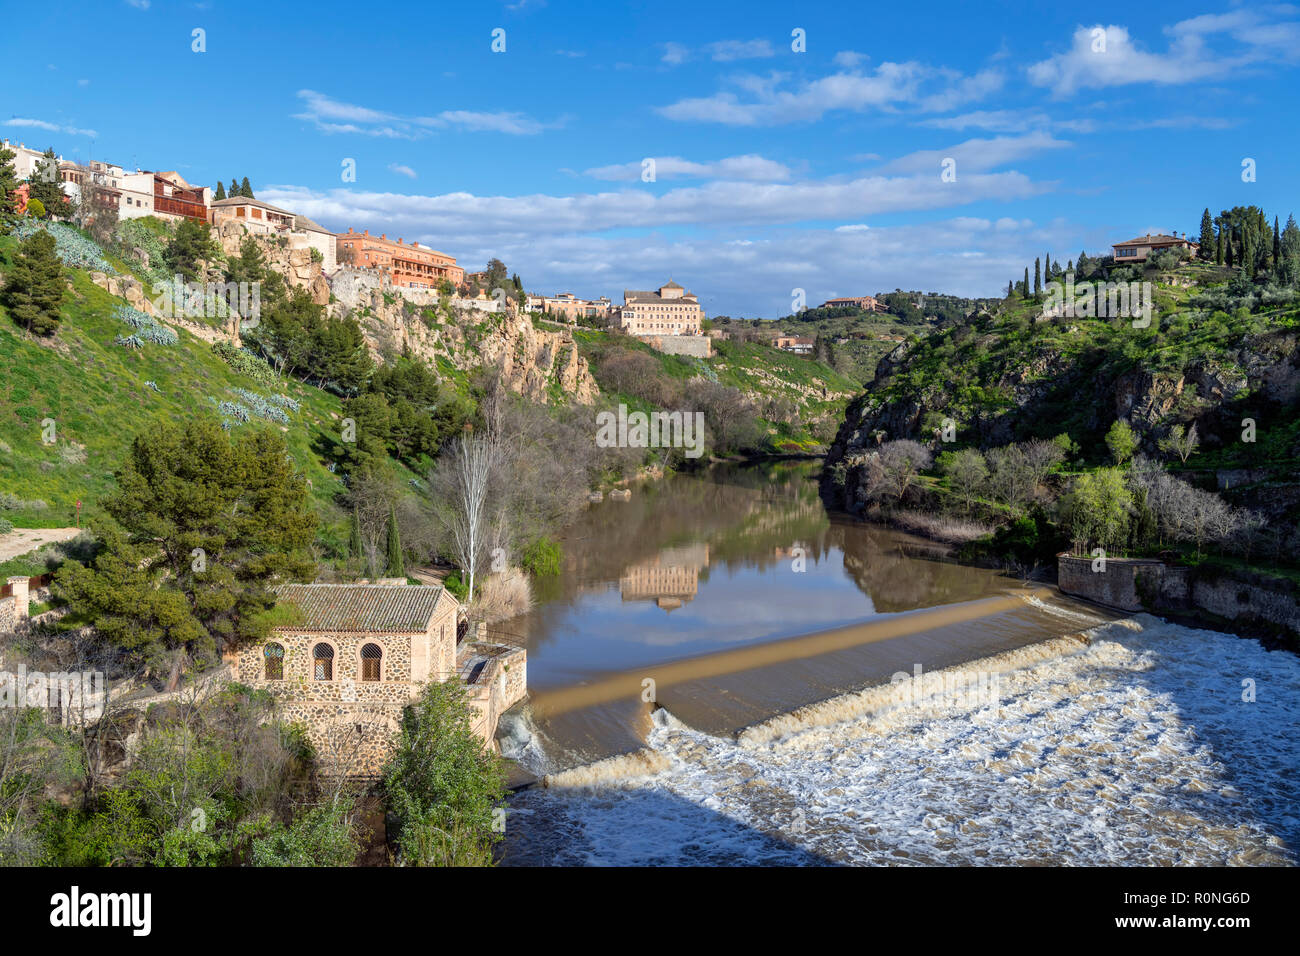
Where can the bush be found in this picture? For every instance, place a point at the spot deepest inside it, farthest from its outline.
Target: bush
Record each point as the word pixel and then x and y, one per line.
pixel 36 208
pixel 6 526
pixel 543 557
pixel 458 588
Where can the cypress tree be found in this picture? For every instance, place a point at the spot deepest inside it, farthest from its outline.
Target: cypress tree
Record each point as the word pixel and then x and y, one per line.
pixel 354 536
pixel 396 569
pixel 246 190
pixel 1038 278
pixel 234 189
pixel 1207 233
pixel 221 191
pixel 1277 246
pixel 1026 282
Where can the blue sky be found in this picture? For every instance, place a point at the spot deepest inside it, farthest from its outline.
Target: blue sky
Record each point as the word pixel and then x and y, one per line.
pixel 775 170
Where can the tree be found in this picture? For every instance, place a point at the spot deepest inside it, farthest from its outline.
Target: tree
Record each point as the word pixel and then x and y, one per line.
pixel 460 484
pixel 1121 441
pixel 234 189
pixel 1011 479
pixel 34 289
pixel 192 246
pixel 1097 508
pixel 396 567
pixel 1180 442
pixel 45 186
pixel 221 191
pixel 8 183
pixel 246 190
pixel 1207 234
pixel 354 535
pixel 205 526
pixel 966 472
pixel 902 461
pixel 36 209
pixel 1038 278
pixel 441 784
pixel 1026 282
pixel 1291 252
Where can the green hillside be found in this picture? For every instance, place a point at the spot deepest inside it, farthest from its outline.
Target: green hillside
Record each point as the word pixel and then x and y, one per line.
pixel 98 396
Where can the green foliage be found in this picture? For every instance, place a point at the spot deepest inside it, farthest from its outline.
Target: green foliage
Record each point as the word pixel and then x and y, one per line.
pixel 442 785
pixel 192 244
pixel 33 291
pixel 323 836
pixel 209 524
pixel 36 208
pixel 395 566
pixel 1097 509
pixel 1121 441
pixel 543 557
pixel 459 588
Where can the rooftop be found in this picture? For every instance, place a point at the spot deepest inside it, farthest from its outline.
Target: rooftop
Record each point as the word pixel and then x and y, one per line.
pixel 1148 239
pixel 403 608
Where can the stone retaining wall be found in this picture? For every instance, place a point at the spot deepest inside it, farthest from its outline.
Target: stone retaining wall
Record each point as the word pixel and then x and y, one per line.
pixel 1132 584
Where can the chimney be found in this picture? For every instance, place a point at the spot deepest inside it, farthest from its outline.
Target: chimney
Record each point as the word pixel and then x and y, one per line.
pixel 22 599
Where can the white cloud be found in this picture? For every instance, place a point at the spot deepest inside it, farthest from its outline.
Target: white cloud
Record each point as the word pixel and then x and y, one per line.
pixel 335 116
pixel 1257 36
pixel 1009 121
pixel 401 170
pixel 849 59
pixel 51 127
pixel 750 168
pixel 889 87
pixel 975 154
pixel 675 53
pixel 138 4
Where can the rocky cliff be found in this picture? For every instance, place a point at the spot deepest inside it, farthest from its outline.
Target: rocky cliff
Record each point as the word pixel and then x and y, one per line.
pixel 541 365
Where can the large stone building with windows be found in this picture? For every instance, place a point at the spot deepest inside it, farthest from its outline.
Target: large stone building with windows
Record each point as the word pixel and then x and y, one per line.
pixel 410 266
pixel 669 310
pixel 359 653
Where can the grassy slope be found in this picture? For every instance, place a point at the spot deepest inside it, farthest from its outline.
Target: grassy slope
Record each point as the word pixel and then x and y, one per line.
pixel 95 391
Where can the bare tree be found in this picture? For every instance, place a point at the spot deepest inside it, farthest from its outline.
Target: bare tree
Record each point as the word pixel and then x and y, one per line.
pixel 460 483
pixel 371 492
pixel 902 461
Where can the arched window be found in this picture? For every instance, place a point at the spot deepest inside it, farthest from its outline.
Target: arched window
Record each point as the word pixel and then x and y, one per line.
pixel 323 658
pixel 274 655
pixel 371 656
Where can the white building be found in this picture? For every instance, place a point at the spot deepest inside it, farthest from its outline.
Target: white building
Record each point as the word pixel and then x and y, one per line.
pixel 265 219
pixel 670 310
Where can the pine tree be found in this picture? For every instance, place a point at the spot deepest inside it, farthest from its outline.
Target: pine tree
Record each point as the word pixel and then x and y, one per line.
pixel 1207 233
pixel 234 189
pixel 395 569
pixel 246 190
pixel 34 289
pixel 221 191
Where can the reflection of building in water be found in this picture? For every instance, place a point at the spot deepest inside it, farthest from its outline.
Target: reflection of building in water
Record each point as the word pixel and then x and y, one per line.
pixel 670 579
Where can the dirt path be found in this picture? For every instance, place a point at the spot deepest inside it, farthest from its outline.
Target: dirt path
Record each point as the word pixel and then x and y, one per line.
pixel 22 540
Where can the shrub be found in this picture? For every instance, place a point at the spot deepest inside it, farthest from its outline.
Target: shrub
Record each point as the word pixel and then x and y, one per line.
pixel 543 557
pixel 70 246
pixel 36 208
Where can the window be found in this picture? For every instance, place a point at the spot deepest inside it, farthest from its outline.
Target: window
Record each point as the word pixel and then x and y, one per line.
pixel 274 654
pixel 323 658
pixel 371 657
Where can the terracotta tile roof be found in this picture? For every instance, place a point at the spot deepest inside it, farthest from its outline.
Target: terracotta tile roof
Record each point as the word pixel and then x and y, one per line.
pixel 403 608
pixel 1147 240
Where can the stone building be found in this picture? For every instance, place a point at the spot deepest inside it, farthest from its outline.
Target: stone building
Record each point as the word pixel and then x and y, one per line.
pixel 263 218
pixel 360 653
pixel 670 310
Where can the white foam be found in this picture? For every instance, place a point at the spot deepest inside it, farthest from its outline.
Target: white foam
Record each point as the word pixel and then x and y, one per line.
pixel 1137 749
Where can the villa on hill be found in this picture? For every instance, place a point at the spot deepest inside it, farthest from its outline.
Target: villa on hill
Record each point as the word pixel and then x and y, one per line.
pixel 867 303
pixel 359 653
pixel 1137 250
pixel 261 217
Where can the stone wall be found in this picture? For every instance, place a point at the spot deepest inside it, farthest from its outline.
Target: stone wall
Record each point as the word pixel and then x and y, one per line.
pixel 1138 585
pixel 699 346
pixel 8 615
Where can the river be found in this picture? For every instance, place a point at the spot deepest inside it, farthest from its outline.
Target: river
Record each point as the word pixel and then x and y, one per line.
pixel 724 673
